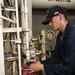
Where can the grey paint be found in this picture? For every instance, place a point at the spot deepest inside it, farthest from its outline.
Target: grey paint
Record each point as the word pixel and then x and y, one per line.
pixel 38 15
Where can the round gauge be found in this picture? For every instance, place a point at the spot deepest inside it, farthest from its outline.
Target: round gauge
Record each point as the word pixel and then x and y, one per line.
pixel 50 34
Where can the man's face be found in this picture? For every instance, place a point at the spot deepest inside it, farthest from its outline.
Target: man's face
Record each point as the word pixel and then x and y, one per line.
pixel 55 23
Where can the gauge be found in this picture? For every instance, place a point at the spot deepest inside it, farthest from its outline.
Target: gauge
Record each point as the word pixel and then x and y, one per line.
pixel 50 34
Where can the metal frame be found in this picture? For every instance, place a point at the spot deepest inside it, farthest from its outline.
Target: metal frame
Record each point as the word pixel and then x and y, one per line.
pixel 15 38
pixel 16 29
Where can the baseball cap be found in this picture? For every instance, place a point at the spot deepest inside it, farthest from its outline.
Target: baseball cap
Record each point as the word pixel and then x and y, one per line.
pixel 54 11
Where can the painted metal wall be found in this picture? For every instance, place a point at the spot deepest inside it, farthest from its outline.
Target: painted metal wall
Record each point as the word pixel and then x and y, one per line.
pixel 38 16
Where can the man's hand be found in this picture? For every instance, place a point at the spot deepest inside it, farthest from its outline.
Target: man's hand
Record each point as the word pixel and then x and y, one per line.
pixel 36 67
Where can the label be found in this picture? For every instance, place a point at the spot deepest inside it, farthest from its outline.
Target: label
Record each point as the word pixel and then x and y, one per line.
pixel 60 0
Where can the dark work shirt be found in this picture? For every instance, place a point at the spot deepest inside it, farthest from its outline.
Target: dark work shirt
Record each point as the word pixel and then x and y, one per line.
pixel 62 61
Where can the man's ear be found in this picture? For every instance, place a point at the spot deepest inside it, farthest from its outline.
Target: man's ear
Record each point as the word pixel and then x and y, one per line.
pixel 60 17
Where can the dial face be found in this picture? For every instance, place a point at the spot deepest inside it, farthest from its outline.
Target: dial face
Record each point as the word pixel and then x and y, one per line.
pixel 50 34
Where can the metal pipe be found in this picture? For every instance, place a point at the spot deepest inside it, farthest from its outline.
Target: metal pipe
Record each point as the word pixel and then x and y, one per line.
pixel 11 30
pixel 26 24
pixel 22 14
pixel 14 52
pixel 2 69
pixel 7 19
pixel 18 37
pixel 9 9
pixel 23 26
pixel 30 17
pixel 1 1
pixel 13 44
pixel 27 31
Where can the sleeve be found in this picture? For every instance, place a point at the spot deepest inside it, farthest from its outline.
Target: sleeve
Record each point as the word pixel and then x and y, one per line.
pixel 55 58
pixel 68 65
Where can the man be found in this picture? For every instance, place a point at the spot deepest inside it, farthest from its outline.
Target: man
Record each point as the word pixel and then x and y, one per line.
pixel 62 61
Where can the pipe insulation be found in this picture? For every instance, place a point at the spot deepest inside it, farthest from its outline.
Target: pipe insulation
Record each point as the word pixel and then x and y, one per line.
pixel 69 4
pixel 45 4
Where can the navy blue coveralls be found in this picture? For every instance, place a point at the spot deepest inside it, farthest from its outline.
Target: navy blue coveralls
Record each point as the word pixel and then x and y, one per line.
pixel 62 61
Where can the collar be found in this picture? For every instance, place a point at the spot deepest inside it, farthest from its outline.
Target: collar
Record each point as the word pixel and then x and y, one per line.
pixel 67 30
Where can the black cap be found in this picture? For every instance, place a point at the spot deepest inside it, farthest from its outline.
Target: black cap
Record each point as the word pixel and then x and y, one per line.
pixel 54 11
